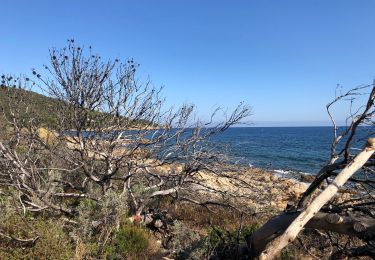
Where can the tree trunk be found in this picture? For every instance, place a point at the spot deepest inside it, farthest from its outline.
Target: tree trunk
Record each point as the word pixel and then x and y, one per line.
pixel 275 246
pixel 347 225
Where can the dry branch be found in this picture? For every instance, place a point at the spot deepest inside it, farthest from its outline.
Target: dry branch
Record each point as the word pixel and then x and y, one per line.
pixel 321 221
pixel 274 247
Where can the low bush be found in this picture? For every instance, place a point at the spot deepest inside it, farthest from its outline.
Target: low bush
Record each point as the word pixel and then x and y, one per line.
pixel 219 243
pixel 51 243
pixel 130 242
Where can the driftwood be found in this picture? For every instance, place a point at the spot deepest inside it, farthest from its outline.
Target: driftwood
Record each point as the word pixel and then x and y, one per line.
pixel 354 216
pixel 322 221
pixel 283 237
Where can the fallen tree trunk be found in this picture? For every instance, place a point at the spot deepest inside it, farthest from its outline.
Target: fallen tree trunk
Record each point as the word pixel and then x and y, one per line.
pixel 361 227
pixel 300 221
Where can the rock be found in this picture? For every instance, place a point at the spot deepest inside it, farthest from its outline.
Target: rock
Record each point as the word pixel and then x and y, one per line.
pixel 299 187
pixel 282 205
pixel 47 136
pixel 288 182
pixel 274 191
pixel 158 224
pixel 295 195
pixel 346 196
pixel 251 203
pixel 307 178
pixel 279 197
pixel 266 178
pixel 274 178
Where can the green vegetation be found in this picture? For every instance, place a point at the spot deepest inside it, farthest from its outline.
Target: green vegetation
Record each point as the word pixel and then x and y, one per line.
pixel 129 242
pixel 44 110
pixel 44 238
pixel 41 107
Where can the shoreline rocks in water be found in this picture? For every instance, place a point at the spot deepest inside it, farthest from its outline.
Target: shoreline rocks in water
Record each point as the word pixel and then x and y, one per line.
pixel 307 178
pixel 250 188
pixel 263 189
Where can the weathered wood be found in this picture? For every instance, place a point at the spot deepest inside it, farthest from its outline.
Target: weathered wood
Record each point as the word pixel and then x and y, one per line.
pixel 275 246
pixel 347 226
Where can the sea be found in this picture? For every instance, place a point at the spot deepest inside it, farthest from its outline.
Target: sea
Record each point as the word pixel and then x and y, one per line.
pixel 287 151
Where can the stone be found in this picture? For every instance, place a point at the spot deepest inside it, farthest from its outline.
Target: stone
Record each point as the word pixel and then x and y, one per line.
pixel 266 178
pixel 274 178
pixel 282 205
pixel 274 191
pixel 307 178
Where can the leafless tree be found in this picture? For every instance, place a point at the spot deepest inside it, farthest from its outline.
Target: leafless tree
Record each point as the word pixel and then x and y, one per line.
pixel 317 208
pixel 109 132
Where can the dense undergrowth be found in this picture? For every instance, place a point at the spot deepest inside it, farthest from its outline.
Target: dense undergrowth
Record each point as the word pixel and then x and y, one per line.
pixel 198 234
pixel 104 230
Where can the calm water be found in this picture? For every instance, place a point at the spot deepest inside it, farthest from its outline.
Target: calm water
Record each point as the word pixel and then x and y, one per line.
pixel 286 150
pixel 297 149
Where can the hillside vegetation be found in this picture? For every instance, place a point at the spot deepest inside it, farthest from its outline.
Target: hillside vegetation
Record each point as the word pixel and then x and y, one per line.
pixel 41 107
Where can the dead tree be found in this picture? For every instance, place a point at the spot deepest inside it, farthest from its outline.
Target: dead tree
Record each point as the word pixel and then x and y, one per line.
pixel 352 216
pixel 109 132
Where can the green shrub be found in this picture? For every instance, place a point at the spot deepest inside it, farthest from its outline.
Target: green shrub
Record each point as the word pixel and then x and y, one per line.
pixel 220 237
pixel 129 242
pixel 220 243
pixel 184 238
pixel 53 242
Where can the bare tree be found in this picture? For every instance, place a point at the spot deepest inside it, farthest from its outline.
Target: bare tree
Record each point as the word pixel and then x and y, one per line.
pixel 109 132
pixel 352 216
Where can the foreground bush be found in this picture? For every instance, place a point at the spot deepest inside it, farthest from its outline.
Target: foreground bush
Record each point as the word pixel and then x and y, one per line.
pixel 51 243
pixel 130 242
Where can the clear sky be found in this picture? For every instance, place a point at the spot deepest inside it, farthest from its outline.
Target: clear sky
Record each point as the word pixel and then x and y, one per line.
pixel 284 58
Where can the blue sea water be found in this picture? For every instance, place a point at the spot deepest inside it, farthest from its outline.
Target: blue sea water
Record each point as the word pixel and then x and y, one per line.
pixel 284 149
pixel 288 151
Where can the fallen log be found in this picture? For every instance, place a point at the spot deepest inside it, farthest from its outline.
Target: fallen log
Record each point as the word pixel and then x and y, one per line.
pixel 282 240
pixel 347 225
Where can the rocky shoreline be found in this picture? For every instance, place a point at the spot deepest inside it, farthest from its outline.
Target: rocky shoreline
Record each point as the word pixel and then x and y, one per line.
pixel 261 190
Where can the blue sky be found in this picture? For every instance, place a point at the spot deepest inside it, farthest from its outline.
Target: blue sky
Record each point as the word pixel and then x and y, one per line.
pixel 284 58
